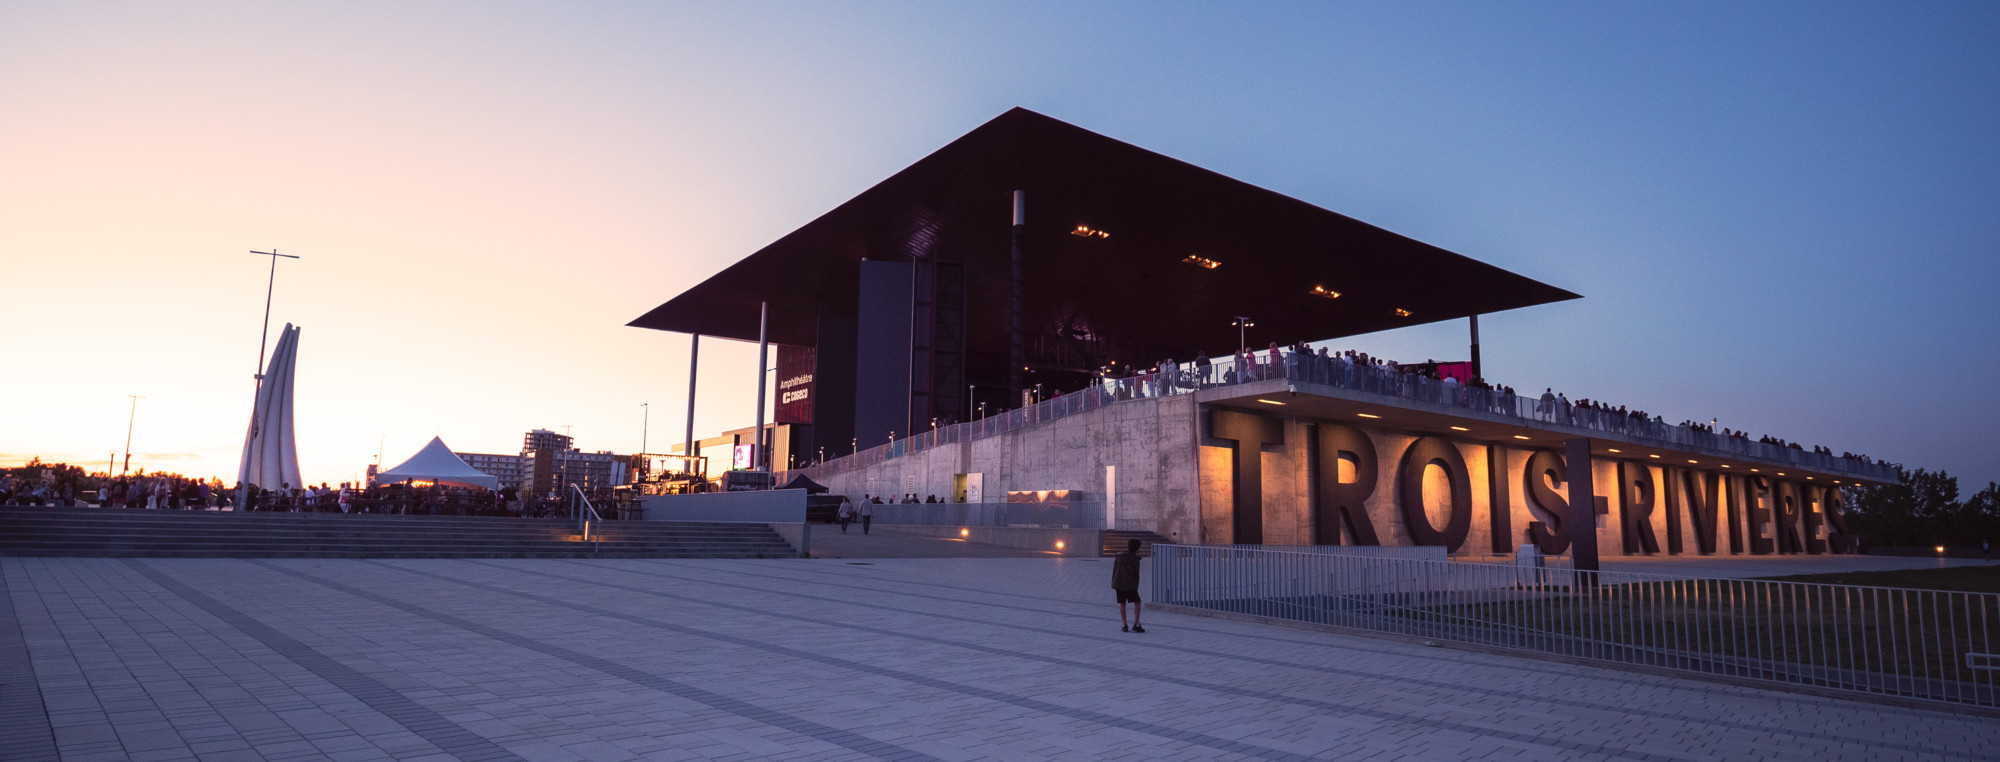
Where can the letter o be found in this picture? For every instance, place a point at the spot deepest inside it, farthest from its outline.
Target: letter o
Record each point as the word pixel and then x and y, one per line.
pixel 1422 453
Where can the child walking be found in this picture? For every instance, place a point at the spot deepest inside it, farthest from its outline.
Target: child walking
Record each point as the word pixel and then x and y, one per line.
pixel 1125 582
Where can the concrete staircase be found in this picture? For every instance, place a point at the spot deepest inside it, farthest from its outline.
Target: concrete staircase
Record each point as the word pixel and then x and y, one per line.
pixel 1114 541
pixel 104 532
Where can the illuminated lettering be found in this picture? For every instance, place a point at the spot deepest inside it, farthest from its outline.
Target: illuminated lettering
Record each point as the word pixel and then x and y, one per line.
pixel 1545 477
pixel 1423 453
pixel 1636 495
pixel 1339 502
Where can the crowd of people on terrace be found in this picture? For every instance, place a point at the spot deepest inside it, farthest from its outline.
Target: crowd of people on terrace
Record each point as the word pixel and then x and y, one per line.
pixel 1358 370
pixel 59 485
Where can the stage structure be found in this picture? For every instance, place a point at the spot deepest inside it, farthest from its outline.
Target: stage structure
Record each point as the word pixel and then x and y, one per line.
pixel 270 449
pixel 926 327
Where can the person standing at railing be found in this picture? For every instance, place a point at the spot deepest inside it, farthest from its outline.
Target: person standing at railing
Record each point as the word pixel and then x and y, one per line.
pixel 1125 583
pixel 1201 368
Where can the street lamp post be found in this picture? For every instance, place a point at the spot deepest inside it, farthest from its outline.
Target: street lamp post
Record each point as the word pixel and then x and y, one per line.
pixel 1242 335
pixel 269 286
pixel 129 419
pixel 645 424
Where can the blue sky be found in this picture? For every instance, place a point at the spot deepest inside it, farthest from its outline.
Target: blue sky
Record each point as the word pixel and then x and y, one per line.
pixel 1780 216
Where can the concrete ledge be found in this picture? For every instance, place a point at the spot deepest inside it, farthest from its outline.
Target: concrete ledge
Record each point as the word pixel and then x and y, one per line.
pixel 758 507
pixel 1083 543
pixel 798 535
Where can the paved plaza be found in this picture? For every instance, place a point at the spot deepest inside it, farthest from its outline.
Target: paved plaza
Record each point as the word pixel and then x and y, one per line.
pixel 902 659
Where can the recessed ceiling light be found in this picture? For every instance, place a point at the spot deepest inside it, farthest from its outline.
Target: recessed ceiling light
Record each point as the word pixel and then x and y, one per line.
pixel 1614 449
pixel 1692 460
pixel 1781 473
pixel 1753 471
pixel 1086 231
pixel 1652 456
pixel 1460 428
pixel 1400 312
pixel 1520 436
pixel 1269 402
pixel 1200 261
pixel 1725 465
pixel 1368 415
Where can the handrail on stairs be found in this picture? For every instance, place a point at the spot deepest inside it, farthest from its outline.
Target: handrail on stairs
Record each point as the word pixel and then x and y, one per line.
pixel 585 512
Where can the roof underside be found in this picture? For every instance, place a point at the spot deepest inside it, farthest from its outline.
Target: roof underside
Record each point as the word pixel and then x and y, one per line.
pixel 1131 287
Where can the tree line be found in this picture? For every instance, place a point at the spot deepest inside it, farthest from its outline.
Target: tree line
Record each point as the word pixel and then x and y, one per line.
pixel 1924 510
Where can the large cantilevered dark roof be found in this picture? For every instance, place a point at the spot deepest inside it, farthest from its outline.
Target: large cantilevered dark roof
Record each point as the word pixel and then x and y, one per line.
pixel 955 205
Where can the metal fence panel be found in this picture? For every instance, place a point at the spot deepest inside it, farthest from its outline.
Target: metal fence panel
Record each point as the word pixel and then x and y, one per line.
pixel 1923 644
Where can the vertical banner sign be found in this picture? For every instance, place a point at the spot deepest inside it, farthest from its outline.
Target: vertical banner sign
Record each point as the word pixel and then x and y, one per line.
pixel 795 384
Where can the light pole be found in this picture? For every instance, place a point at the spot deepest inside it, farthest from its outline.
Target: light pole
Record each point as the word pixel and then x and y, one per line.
pixel 645 424
pixel 563 455
pixel 1242 335
pixel 131 417
pixel 269 286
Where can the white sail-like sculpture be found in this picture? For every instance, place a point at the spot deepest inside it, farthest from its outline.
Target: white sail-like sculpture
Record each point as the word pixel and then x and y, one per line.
pixel 270 450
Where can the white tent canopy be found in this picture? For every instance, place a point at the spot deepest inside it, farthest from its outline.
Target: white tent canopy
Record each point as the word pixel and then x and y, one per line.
pixel 437 463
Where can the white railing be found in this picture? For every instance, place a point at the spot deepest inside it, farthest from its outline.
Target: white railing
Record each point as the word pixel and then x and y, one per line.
pixel 580 507
pixel 1921 644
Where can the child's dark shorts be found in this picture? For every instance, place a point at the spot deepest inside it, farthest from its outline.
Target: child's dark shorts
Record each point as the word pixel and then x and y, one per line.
pixel 1128 596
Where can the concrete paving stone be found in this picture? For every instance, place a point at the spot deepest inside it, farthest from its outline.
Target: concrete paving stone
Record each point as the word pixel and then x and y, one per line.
pixel 164 755
pixel 955 659
pixel 370 754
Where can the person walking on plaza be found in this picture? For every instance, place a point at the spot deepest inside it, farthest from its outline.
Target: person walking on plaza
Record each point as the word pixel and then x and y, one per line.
pixel 1125 582
pixel 868 516
pixel 845 515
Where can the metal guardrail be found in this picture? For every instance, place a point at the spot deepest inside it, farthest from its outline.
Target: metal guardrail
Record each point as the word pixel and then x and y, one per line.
pixel 1922 644
pixel 579 505
pixel 1329 371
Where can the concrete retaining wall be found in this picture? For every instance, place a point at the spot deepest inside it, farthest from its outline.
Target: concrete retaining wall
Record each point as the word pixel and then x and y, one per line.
pixel 1086 543
pixel 772 506
pixel 798 535
pixel 1151 442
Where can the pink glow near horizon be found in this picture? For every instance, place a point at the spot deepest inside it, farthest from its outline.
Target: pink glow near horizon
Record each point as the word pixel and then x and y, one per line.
pixel 1779 215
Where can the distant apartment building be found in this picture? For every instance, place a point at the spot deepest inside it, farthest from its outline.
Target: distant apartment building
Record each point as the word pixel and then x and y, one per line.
pixel 506 468
pixel 550 461
pixel 544 439
pixel 545 470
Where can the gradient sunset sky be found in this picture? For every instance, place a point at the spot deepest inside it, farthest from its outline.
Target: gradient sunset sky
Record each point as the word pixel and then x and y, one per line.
pixel 1784 216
